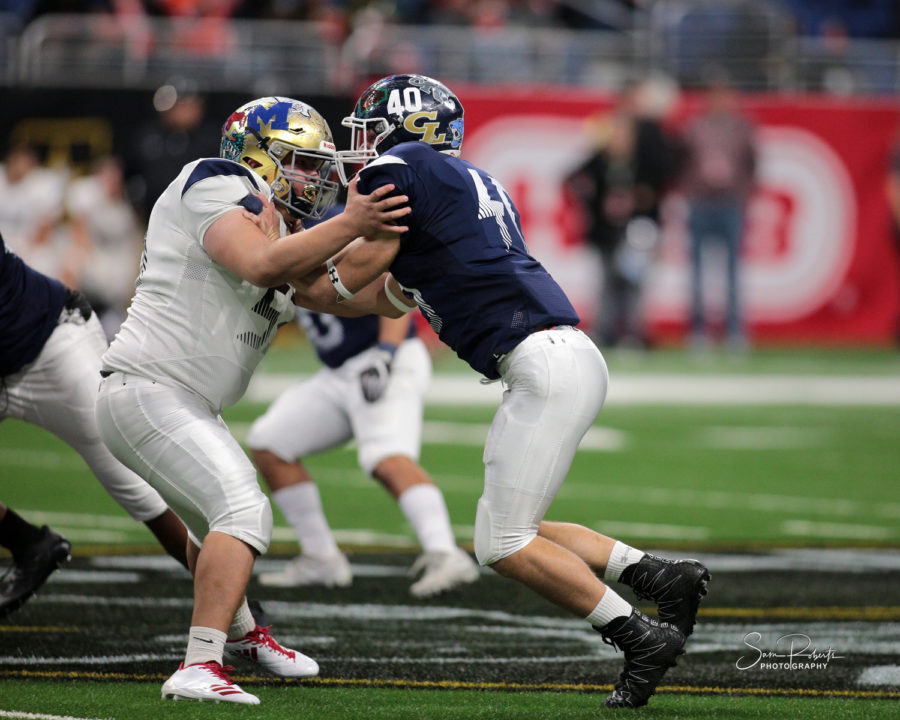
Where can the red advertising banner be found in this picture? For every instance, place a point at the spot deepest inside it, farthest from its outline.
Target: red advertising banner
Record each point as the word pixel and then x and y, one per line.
pixel 819 260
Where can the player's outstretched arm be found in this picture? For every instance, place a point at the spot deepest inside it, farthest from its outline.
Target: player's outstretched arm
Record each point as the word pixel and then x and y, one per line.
pixel 340 279
pixel 249 246
pixel 383 296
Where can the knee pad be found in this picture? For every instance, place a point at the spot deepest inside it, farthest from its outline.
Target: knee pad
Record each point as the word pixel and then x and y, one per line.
pixel 252 523
pixel 494 540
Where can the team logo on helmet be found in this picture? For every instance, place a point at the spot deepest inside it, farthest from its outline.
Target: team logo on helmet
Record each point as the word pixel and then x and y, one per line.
pixel 290 146
pixel 372 98
pixel 233 132
pixel 457 130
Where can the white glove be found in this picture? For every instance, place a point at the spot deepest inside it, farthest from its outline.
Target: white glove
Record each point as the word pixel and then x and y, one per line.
pixel 374 379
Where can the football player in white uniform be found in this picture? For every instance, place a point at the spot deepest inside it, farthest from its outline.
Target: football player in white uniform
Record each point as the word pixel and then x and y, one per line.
pixel 211 292
pixel 371 389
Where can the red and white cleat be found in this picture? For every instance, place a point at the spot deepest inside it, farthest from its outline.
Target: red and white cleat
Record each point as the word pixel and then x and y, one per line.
pixel 260 647
pixel 205 681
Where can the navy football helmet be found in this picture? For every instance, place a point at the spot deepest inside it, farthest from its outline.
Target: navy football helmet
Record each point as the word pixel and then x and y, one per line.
pixel 290 146
pixel 398 109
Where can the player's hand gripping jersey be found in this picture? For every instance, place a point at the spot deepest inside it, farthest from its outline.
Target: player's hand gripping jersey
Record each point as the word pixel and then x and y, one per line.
pixel 464 259
pixel 188 310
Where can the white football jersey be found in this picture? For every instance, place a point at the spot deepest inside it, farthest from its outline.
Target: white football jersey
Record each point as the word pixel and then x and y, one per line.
pixel 193 323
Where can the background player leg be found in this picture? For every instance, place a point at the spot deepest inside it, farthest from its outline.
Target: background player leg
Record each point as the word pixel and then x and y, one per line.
pixel 443 565
pixel 297 496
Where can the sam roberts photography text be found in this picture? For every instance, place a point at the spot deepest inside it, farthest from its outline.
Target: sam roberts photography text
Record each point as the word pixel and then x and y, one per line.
pixel 792 651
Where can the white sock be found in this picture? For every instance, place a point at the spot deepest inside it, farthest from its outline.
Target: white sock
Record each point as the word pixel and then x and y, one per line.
pixel 621 557
pixel 425 509
pixel 243 622
pixel 204 645
pixel 301 505
pixel 611 606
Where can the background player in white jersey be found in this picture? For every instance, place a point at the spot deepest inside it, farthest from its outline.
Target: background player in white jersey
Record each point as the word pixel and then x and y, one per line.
pixel 50 347
pixel 371 389
pixel 465 264
pixel 210 294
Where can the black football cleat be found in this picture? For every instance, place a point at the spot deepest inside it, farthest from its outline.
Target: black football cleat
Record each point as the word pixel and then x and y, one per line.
pixel 651 647
pixel 32 569
pixel 676 586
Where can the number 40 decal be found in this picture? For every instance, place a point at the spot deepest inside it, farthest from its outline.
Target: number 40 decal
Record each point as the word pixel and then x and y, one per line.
pixel 411 102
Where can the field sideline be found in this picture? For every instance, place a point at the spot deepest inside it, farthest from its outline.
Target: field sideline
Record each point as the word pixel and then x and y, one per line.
pixel 777 469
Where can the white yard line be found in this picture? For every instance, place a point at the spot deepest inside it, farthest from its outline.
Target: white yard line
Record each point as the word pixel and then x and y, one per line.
pixel 657 389
pixel 661 531
pixel 806 528
pixel 880 675
pixel 832 560
pixel 71 519
pixel 89 659
pixel 349 536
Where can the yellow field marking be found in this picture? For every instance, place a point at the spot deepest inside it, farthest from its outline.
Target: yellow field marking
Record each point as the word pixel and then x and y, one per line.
pixel 825 612
pixel 460 685
pixel 80 675
pixel 37 629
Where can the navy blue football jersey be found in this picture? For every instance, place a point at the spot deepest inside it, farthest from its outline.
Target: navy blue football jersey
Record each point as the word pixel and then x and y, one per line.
pixel 337 339
pixel 30 304
pixel 464 260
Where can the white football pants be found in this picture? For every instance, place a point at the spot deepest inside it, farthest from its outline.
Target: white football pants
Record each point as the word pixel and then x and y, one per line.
pixel 182 447
pixel 556 382
pixel 58 391
pixel 328 409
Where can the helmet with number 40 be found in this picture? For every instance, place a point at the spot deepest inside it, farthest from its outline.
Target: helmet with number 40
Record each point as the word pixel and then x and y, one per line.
pixel 398 109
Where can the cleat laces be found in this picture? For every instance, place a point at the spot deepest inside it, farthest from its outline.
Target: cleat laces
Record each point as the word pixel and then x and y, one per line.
pixel 263 636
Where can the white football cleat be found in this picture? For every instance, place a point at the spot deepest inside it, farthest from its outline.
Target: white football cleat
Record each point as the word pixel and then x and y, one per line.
pixel 205 681
pixel 305 570
pixel 260 647
pixel 443 571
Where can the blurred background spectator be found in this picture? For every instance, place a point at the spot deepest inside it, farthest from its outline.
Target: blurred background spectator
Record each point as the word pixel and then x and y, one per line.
pixel 717 178
pixel 31 210
pixel 620 187
pixel 106 241
pixel 176 132
pixel 893 197
pixel 149 81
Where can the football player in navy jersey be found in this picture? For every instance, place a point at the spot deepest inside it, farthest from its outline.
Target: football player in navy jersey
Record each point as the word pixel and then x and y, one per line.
pixel 465 265
pixel 50 347
pixel 371 389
